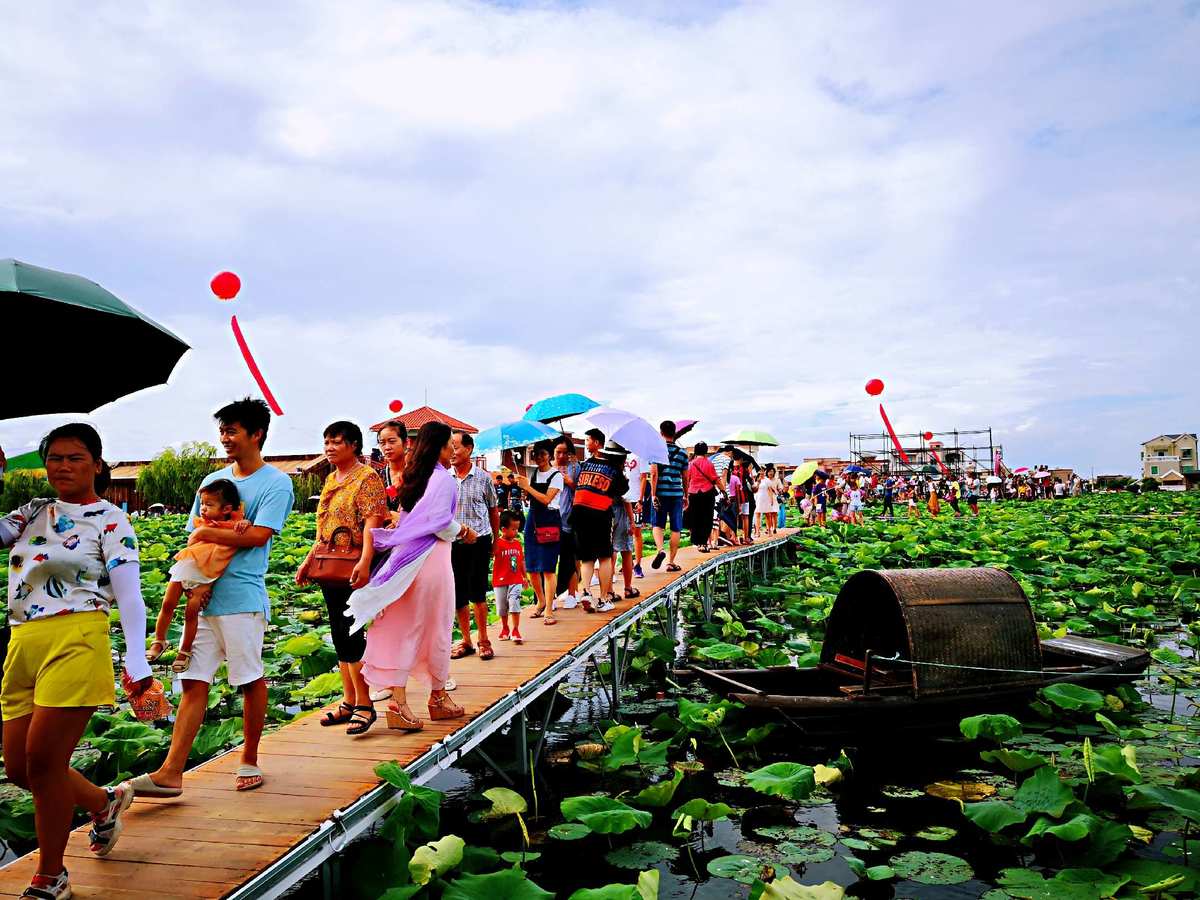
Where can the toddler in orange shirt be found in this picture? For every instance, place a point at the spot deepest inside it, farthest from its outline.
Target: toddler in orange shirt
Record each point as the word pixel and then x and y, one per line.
pixel 508 577
pixel 198 563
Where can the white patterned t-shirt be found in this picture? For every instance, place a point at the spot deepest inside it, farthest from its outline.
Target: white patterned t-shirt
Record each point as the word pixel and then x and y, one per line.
pixel 61 561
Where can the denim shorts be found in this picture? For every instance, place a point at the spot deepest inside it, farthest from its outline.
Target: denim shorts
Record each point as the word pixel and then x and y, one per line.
pixel 622 531
pixel 669 507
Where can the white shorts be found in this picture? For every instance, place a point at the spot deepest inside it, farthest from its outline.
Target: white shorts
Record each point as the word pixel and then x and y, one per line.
pixel 235 639
pixel 508 599
pixel 856 506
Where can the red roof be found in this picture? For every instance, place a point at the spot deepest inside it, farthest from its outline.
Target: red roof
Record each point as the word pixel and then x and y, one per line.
pixel 418 417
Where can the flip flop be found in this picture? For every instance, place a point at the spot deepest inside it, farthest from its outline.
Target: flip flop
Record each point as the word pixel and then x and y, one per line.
pixel 550 620
pixel 632 593
pixel 672 567
pixel 144 787
pixel 536 614
pixel 248 771
pixel 462 650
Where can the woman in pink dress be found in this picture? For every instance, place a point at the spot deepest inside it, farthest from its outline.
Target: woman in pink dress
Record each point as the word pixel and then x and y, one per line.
pixel 409 601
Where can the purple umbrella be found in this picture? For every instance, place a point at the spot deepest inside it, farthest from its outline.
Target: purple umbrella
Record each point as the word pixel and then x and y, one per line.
pixel 683 426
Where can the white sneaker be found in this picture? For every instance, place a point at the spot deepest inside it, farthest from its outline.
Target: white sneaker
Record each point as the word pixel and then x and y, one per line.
pixel 106 824
pixel 450 685
pixel 585 600
pixel 605 605
pixel 569 601
pixel 383 694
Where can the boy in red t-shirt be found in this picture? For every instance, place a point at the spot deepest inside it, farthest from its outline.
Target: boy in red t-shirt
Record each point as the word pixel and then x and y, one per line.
pixel 508 577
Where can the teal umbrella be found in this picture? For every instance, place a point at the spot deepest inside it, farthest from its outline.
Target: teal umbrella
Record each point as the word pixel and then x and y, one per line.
pixel 559 407
pixel 117 349
pixel 509 435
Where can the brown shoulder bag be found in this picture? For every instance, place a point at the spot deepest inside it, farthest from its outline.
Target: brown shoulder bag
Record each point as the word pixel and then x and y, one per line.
pixel 332 563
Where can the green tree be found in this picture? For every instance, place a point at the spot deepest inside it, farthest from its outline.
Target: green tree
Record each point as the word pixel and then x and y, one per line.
pixel 306 486
pixel 173 476
pixel 20 487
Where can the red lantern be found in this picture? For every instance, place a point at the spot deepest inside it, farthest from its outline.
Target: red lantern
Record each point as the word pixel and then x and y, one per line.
pixel 874 387
pixel 928 435
pixel 226 285
pixel 395 406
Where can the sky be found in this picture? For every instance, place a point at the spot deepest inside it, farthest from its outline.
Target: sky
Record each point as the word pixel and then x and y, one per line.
pixel 731 212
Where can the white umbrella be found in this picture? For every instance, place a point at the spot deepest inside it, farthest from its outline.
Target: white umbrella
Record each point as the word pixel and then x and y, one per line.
pixel 1041 474
pixel 995 479
pixel 632 432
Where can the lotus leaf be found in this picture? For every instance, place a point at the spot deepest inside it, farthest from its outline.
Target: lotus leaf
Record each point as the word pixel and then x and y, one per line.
pixel 993 815
pixel 568 831
pixel 505 802
pixel 700 809
pixel 641 854
pixel 931 868
pixel 997 728
pixel 519 857
pixel 1043 792
pixel 745 869
pixel 659 795
pixel 604 815
pixel 507 884
pixel 787 889
pixel 1015 760
pixel 798 834
pixel 937 833
pixel 795 855
pixel 436 858
pixel 1073 697
pixel 789 780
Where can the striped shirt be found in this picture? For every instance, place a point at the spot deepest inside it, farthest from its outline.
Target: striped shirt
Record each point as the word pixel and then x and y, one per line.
pixel 476 496
pixel 670 474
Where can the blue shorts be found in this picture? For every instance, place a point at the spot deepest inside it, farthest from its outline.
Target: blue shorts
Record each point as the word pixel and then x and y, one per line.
pixel 669 507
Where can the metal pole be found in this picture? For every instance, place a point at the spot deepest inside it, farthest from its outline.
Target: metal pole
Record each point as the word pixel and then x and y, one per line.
pixel 614 658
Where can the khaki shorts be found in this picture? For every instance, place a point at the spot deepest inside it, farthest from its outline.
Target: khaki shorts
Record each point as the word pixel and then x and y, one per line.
pixel 62 661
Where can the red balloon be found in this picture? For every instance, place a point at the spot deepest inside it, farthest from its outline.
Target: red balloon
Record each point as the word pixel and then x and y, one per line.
pixel 226 285
pixel 928 435
pixel 874 387
pixel 395 406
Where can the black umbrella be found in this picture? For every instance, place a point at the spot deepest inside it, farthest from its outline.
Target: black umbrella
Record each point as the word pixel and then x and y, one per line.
pixel 131 352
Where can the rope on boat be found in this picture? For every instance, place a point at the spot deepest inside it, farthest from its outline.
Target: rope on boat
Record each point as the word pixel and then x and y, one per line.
pixel 1126 675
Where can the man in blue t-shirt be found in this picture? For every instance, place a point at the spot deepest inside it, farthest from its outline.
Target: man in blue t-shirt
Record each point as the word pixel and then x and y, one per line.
pixel 234 622
pixel 668 485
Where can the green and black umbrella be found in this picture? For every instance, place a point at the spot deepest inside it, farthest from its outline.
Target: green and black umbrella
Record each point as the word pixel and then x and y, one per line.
pixel 114 350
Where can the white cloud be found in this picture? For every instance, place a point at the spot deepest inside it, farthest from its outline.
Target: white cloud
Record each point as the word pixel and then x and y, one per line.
pixel 738 218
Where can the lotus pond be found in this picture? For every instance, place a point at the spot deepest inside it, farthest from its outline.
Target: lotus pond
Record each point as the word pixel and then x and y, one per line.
pixel 1084 793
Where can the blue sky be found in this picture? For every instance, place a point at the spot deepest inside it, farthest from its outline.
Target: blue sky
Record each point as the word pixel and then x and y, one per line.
pixel 731 212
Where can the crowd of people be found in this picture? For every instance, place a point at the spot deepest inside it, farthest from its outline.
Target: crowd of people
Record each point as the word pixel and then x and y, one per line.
pixel 409 541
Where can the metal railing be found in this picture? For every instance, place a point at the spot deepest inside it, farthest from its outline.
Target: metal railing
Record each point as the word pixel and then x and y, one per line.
pixel 343 826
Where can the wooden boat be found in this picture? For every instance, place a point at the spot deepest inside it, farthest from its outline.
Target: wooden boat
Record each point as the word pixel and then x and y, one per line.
pixel 921 648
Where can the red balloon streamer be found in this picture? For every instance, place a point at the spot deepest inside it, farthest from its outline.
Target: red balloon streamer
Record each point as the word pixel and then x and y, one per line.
pixel 892 432
pixel 253 366
pixel 938 460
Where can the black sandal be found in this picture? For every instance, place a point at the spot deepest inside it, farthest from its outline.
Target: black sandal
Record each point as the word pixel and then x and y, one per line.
pixel 360 724
pixel 337 717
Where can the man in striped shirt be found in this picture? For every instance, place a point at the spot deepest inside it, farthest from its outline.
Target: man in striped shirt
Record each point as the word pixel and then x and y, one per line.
pixel 668 486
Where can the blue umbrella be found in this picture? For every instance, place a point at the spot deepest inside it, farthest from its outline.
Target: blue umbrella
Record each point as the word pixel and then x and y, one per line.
pixel 558 407
pixel 856 470
pixel 507 435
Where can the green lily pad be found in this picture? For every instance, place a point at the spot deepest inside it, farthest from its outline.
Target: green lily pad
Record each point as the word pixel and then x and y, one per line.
pixel 932 868
pixel 641 855
pixel 604 814
pixel 1073 697
pixel 789 780
pixel 937 833
pixel 745 869
pixel 1043 792
pixel 795 854
pixel 568 831
pixel 798 834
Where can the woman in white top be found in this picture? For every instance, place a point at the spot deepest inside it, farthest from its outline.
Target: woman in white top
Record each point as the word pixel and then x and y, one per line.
pixel 543 530
pixel 71 560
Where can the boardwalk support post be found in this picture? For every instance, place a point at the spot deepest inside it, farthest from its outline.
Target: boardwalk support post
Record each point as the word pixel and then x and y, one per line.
pixel 614 662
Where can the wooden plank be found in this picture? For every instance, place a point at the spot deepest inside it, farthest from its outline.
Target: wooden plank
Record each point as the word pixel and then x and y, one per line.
pixel 214 838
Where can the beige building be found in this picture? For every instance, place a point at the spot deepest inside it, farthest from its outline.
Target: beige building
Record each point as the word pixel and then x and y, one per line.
pixel 1171 460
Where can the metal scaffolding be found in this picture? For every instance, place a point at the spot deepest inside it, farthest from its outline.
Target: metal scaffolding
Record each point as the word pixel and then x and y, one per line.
pixel 963 452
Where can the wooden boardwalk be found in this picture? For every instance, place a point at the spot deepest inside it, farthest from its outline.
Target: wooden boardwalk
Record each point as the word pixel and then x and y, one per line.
pixel 213 838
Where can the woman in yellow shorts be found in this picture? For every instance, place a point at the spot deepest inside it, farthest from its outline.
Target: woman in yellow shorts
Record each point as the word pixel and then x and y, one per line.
pixel 71 559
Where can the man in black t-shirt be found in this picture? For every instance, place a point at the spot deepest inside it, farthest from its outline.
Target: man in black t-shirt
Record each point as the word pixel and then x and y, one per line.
pixel 601 481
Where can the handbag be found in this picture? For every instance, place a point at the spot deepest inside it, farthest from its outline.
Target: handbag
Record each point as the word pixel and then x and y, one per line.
pixel 547 522
pixel 332 564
